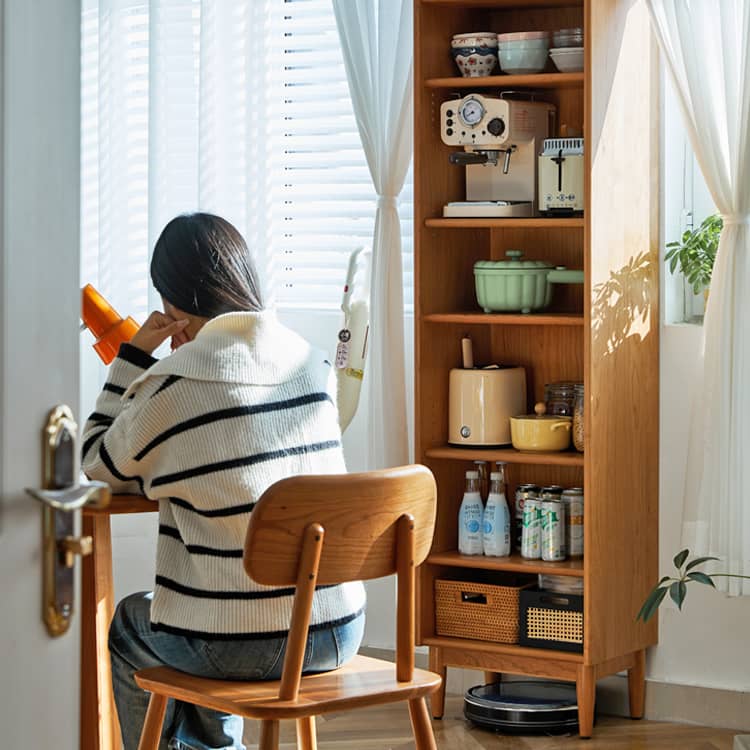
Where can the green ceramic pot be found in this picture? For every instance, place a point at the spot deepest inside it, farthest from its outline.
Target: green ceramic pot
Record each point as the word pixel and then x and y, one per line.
pixel 517 285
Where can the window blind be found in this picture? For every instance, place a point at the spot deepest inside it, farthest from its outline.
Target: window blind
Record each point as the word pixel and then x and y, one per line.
pixel 236 107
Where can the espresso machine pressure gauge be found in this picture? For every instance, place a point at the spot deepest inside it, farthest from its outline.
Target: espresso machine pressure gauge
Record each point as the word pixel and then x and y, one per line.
pixel 471 112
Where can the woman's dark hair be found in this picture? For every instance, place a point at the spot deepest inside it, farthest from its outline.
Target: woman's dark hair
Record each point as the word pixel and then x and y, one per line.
pixel 201 265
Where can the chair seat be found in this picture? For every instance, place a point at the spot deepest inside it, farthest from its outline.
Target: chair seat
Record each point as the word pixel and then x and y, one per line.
pixel 361 681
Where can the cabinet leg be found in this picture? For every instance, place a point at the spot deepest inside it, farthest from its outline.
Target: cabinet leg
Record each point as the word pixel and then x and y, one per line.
pixel 586 696
pixel 637 685
pixel 437 699
pixel 490 677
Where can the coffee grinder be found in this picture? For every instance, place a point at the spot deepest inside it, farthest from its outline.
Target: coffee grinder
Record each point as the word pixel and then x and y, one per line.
pixel 501 138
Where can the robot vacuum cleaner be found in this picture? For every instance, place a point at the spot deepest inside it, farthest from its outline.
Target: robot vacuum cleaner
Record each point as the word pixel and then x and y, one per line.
pixel 523 707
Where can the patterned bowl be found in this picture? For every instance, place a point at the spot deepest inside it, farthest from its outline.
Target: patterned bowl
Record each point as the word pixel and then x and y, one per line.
pixel 474 62
pixel 475 39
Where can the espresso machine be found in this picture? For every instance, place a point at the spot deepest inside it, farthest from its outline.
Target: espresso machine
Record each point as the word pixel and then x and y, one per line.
pixel 501 141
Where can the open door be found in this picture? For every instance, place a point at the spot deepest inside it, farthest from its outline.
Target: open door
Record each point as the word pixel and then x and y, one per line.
pixel 39 200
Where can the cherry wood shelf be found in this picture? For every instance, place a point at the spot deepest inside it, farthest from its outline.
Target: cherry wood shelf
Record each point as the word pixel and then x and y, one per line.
pixel 510 223
pixel 509 455
pixel 507 319
pixel 615 103
pixel 536 81
pixel 507 649
pixel 513 563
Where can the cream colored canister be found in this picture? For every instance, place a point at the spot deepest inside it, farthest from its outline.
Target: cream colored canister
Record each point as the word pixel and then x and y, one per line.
pixel 481 402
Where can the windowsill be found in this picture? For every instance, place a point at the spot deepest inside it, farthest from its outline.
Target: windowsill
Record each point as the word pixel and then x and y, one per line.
pixel 695 323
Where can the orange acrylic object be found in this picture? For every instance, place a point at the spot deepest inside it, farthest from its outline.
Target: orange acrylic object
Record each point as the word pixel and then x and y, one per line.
pixel 108 328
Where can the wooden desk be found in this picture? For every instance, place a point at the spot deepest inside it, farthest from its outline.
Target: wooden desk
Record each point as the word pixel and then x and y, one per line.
pixel 98 719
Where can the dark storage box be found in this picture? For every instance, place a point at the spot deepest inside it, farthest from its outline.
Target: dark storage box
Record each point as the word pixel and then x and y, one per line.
pixel 551 620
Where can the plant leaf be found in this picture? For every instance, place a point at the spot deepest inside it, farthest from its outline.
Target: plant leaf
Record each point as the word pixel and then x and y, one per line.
pixel 699 577
pixel 677 591
pixel 653 600
pixel 698 561
pixel 680 557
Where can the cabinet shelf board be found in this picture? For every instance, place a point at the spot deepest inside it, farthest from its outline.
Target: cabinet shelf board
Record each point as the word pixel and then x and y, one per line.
pixel 537 81
pixel 514 563
pixel 510 223
pixel 508 319
pixel 509 455
pixel 508 649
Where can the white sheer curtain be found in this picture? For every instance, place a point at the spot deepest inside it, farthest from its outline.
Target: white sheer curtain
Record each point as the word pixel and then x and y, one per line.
pixel 376 38
pixel 707 48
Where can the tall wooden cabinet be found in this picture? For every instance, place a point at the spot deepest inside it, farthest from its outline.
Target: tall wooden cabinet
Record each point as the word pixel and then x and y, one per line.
pixel 605 334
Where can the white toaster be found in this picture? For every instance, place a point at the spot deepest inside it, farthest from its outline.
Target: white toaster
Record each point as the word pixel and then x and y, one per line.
pixel 561 176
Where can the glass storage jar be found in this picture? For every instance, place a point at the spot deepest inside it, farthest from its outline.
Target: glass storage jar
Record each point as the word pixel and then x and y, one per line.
pixel 578 418
pixel 560 399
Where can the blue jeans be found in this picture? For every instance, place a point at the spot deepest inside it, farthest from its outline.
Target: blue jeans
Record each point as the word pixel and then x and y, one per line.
pixel 133 646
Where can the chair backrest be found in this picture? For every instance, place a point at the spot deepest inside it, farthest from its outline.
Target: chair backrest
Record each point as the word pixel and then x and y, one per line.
pixel 359 515
pixel 309 531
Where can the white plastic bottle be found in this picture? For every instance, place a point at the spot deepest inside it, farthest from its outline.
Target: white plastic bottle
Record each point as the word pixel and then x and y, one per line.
pixel 470 517
pixel 496 520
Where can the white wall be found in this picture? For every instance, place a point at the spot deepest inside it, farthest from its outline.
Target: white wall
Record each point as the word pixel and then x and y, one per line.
pixel 706 644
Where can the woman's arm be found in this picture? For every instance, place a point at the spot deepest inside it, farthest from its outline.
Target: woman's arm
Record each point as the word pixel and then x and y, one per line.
pixel 96 460
pixel 108 435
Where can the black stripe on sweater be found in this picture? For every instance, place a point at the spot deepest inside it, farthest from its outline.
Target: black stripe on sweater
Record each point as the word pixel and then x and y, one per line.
pixel 198 549
pixel 171 380
pixel 235 463
pixel 180 588
pixel 232 413
pixel 110 464
pixel 206 636
pixel 232 510
pixel 112 388
pixel 136 356
pixel 100 418
pixel 90 440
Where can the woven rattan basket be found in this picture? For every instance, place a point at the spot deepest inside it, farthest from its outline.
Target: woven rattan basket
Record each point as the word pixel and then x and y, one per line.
pixel 481 611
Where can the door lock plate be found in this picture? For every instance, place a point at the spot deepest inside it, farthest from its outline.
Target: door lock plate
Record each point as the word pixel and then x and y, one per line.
pixel 61 495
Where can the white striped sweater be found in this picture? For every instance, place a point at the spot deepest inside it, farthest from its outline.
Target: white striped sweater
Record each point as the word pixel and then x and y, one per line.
pixel 204 432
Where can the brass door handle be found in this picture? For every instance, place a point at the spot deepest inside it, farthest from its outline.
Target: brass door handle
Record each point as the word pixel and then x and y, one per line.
pixel 61 495
pixel 93 494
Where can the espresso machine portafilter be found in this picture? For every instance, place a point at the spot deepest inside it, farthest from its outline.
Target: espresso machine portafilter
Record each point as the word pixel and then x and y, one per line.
pixel 501 139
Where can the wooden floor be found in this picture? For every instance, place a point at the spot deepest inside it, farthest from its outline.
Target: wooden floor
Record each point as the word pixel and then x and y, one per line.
pixel 387 728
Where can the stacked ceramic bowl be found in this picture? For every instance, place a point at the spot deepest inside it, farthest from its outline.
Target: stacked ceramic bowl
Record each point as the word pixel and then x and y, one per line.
pixel 567 50
pixel 523 51
pixel 475 53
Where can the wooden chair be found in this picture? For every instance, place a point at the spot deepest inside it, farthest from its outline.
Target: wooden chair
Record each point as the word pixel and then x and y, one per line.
pixel 317 530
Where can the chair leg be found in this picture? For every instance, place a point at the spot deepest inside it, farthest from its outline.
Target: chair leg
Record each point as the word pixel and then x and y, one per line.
pixel 151 734
pixel 306 735
pixel 424 739
pixel 269 735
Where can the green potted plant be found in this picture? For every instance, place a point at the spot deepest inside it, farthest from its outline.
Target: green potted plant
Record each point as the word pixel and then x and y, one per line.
pixel 695 253
pixel 676 587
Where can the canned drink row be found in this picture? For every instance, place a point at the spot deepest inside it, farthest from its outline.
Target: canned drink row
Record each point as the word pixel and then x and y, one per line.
pixel 550 525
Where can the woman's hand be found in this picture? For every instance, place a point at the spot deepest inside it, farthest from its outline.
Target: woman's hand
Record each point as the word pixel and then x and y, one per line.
pixel 157 329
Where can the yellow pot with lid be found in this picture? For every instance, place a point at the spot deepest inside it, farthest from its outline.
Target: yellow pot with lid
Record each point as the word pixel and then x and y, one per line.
pixel 540 431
